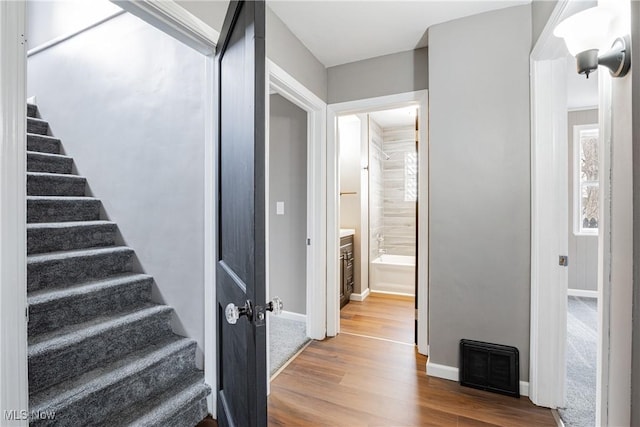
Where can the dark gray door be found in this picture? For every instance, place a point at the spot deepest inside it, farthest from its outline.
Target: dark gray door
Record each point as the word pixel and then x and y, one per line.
pixel 240 271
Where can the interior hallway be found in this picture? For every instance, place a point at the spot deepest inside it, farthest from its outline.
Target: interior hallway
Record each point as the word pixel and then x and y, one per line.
pixel 354 380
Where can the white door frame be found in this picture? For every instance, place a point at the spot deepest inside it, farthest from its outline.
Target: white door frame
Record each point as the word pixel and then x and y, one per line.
pixel 420 99
pixel 284 84
pixel 14 394
pixel 615 243
pixel 549 232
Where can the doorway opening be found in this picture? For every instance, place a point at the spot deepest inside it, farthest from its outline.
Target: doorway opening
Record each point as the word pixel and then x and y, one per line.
pixel 287 229
pixel 294 216
pixel 583 168
pixel 376 233
pixel 378 223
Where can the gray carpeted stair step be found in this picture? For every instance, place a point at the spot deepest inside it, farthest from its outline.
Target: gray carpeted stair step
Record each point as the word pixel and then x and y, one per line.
pixel 32 110
pixel 47 162
pixel 60 269
pixel 65 236
pixel 62 209
pixel 53 309
pixel 39 126
pixel 53 184
pixel 43 143
pixel 100 394
pixel 69 352
pixel 183 404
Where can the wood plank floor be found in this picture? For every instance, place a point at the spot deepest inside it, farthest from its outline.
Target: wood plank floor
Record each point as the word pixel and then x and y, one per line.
pixel 382 316
pixel 351 380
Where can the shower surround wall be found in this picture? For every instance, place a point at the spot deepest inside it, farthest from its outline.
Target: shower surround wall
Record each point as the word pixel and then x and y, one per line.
pixel 400 190
pixel 392 204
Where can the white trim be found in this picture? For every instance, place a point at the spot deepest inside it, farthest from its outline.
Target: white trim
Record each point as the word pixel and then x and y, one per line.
pixel 13 262
pixel 442 371
pixel 578 109
pixel 210 234
pixel 453 374
pixel 72 34
pixel 284 84
pixel 402 294
pixel 615 252
pixel 549 201
pixel 419 98
pixel 582 293
pixel 360 297
pixel 556 417
pixel 296 317
pixel 171 18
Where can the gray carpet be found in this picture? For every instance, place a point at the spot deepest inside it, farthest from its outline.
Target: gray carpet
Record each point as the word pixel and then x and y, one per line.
pixel 286 337
pixel 100 351
pixel 582 336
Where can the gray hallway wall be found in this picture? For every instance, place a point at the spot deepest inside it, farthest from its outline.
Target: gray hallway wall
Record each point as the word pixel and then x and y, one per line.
pixel 288 183
pixel 284 49
pixel 583 250
pixel 479 231
pixel 384 75
pixel 127 102
pixel 635 70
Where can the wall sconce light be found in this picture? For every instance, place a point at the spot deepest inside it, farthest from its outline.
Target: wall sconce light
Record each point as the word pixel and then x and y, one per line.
pixel 589 32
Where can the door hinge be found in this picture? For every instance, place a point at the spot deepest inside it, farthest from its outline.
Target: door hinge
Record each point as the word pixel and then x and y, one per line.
pixel 416 314
pixel 26 314
pixel 308 241
pixel 563 260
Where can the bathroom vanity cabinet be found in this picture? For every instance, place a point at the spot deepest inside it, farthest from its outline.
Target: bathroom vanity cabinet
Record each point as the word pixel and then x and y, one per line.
pixel 346 269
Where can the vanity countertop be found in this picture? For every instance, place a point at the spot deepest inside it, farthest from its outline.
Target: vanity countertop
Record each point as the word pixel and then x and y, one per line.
pixel 344 232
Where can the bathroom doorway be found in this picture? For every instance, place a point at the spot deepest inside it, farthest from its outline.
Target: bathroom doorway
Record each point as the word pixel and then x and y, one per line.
pixel 382 179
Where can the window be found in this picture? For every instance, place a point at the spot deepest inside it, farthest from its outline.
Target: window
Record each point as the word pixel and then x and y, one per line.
pixel 586 186
pixel 410 177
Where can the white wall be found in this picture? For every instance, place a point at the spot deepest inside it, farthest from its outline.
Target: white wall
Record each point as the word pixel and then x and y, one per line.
pixel 127 102
pixel 479 207
pixel 352 136
pixel 385 75
pixel 288 184
pixel 583 250
pixel 47 20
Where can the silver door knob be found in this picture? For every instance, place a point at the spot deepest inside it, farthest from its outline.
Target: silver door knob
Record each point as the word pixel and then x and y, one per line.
pixel 232 312
pixel 275 306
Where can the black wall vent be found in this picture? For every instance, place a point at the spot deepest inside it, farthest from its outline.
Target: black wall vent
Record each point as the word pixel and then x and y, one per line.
pixel 491 367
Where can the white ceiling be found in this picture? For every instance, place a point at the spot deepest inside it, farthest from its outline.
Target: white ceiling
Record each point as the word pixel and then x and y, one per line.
pixel 338 32
pixel 392 118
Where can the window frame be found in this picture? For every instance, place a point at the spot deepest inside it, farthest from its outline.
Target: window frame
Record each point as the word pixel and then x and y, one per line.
pixel 578 184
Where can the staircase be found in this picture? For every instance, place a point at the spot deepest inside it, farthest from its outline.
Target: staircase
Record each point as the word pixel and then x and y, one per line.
pixel 100 352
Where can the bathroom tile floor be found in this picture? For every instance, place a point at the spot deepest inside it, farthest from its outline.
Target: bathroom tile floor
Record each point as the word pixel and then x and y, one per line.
pixel 355 380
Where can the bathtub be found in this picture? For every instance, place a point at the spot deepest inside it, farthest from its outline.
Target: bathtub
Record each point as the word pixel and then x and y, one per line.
pixel 393 273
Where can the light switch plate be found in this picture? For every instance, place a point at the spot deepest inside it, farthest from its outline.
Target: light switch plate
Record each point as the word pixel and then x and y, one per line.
pixel 279 208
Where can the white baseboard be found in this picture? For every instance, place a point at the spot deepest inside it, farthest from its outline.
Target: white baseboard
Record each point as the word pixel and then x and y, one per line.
pixel 403 294
pixel 290 315
pixel 582 293
pixel 442 371
pixel 360 297
pixel 452 374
